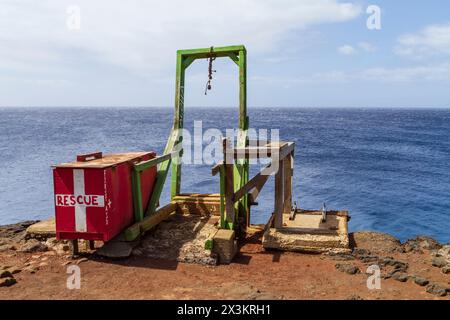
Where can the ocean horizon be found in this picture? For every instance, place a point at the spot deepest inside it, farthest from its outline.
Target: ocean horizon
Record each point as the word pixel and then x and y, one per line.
pixel 387 166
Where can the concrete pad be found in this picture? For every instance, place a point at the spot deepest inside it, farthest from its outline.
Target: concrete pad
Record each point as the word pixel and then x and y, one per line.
pixel 43 228
pixel 307 233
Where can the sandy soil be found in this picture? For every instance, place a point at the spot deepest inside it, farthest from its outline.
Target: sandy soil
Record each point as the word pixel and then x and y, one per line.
pixel 255 274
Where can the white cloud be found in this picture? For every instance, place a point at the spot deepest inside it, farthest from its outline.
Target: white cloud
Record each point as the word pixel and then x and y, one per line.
pixel 367 46
pixel 347 50
pixel 413 74
pixel 142 36
pixel 432 40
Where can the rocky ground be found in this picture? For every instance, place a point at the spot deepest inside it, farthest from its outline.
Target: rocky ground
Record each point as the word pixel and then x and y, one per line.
pixel 36 268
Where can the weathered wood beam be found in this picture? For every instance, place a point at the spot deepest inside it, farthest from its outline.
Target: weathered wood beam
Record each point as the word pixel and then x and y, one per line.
pixel 141 166
pixel 257 181
pixel 149 222
pixel 216 169
pixel 279 184
pixel 229 187
pixel 288 172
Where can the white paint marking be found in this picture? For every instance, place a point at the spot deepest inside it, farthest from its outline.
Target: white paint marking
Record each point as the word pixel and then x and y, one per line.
pixel 80 210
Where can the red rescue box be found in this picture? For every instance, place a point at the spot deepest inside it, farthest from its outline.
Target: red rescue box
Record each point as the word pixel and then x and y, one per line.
pixel 94 197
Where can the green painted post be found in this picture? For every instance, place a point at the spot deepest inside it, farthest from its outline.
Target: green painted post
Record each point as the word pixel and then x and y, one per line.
pixel 178 122
pixel 137 195
pixel 241 170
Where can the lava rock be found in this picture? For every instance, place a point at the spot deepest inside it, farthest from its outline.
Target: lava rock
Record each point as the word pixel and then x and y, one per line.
pixel 421 243
pixel 341 257
pixel 444 252
pixel 369 259
pixel 399 265
pixel 347 268
pixel 5 274
pixel 33 245
pixel 375 242
pixel 437 290
pixel 421 281
pixel 360 252
pixel 7 282
pixel 400 276
pixel 446 269
pixel 14 270
pixel 439 262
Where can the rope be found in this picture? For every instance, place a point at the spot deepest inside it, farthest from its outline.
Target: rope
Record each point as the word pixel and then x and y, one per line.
pixel 210 71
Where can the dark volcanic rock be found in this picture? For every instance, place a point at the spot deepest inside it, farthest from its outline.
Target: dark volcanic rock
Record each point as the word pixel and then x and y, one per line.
pixel 7 282
pixel 439 262
pixel 341 257
pixel 400 276
pixel 399 265
pixel 375 242
pixel 437 290
pixel 421 243
pixel 33 245
pixel 5 274
pixel 347 268
pixel 446 269
pixel 421 281
pixel 16 230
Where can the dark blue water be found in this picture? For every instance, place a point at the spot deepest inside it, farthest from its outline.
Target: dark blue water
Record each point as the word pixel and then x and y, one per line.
pixel 389 168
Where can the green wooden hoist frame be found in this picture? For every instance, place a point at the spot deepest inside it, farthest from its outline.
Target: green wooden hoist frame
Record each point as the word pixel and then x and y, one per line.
pixel 173 150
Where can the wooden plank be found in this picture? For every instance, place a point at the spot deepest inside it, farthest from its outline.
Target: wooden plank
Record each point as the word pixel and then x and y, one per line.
pixel 106 161
pixel 141 166
pixel 132 232
pixel 267 151
pixel 216 169
pixel 257 181
pixel 160 215
pixel 200 208
pixel 279 184
pixel 196 197
pixel 203 53
pixel 161 175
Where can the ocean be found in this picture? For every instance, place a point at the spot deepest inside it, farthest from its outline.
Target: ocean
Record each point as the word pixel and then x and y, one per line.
pixel 389 167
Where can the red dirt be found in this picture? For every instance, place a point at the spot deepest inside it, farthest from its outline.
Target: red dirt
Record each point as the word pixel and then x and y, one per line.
pixel 254 274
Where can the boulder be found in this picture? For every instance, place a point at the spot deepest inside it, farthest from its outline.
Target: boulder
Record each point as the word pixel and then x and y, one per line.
pixel 421 243
pixel 347 268
pixel 421 281
pixel 7 282
pixel 439 262
pixel 5 274
pixel 33 245
pixel 375 242
pixel 400 276
pixel 446 269
pixel 437 290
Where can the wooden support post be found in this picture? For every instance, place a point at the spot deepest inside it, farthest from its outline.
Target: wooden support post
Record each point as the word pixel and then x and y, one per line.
pixel 279 198
pixel 229 186
pixel 288 171
pixel 91 244
pixel 75 250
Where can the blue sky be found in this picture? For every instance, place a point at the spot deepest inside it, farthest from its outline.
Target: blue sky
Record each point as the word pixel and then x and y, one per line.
pixel 306 53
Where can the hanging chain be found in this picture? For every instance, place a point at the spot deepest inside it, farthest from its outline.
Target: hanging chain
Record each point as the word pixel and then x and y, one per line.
pixel 210 72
